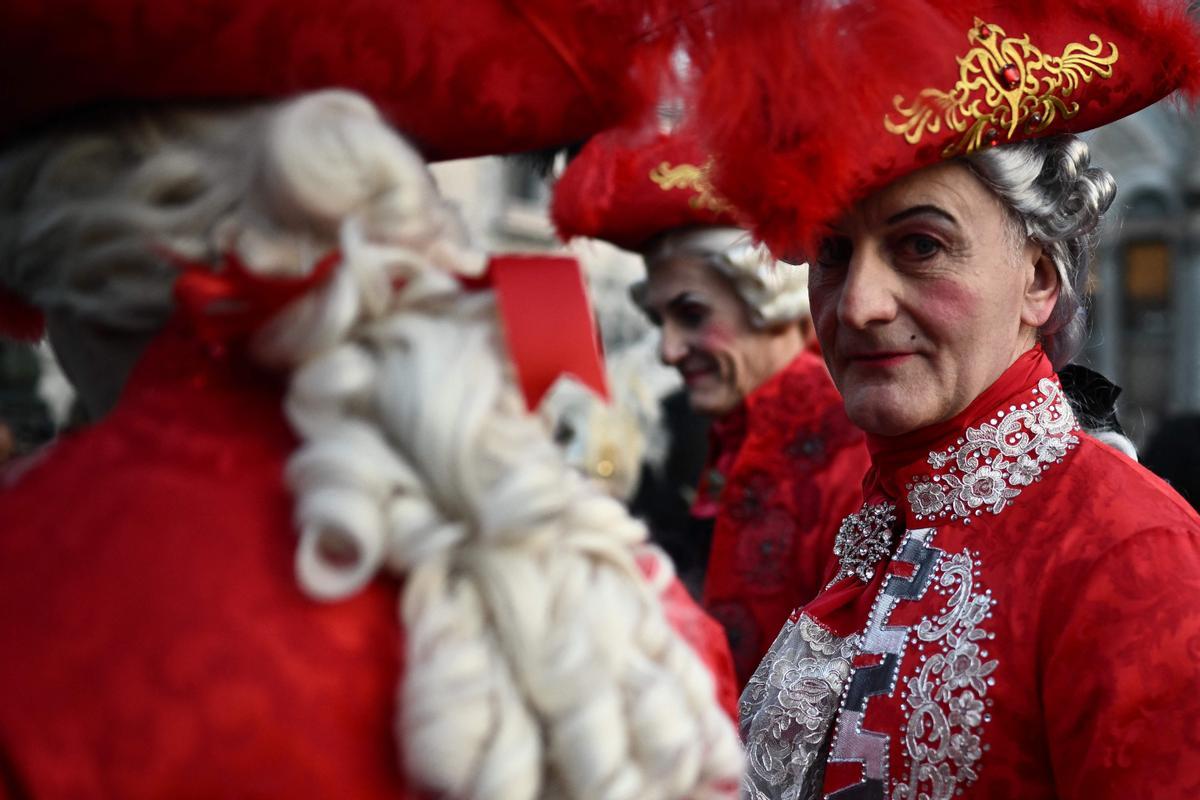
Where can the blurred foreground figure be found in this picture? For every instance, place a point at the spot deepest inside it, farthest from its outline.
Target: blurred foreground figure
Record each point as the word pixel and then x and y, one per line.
pixel 644 444
pixel 312 347
pixel 784 462
pixel 1016 606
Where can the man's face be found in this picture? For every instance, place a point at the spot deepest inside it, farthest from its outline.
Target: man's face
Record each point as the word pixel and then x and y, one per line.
pixel 707 334
pixel 923 295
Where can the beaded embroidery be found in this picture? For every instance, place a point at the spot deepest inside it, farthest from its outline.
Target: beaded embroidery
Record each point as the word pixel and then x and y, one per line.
pixel 983 470
pixel 851 743
pixel 863 539
pixel 946 699
pixel 944 691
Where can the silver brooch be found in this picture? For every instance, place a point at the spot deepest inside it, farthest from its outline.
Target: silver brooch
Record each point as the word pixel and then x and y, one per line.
pixel 862 542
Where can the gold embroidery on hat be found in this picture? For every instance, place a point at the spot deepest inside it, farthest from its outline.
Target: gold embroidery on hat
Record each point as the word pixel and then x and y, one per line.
pixel 1022 86
pixel 690 176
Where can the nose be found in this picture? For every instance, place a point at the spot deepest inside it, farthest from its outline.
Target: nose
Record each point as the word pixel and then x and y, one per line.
pixel 671 345
pixel 869 291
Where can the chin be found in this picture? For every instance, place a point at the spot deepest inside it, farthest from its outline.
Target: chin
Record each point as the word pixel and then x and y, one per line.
pixel 711 404
pixel 877 412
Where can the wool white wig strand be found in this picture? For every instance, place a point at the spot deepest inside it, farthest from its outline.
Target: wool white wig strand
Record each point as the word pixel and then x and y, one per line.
pixel 539 659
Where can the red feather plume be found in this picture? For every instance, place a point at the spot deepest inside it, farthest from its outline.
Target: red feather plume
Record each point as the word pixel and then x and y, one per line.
pixel 793 96
pixel 472 77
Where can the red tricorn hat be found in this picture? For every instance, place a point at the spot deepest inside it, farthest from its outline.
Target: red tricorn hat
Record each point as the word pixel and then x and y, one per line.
pixel 626 189
pixel 462 78
pixel 467 78
pixel 811 106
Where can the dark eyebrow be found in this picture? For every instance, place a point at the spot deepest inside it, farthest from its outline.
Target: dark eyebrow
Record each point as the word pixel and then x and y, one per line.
pixel 916 211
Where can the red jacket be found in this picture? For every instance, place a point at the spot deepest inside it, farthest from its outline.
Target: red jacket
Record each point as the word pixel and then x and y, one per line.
pixel 789 465
pixel 156 644
pixel 1031 629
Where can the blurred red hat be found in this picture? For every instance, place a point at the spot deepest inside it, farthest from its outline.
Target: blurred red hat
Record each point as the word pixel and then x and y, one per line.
pixel 461 78
pixel 626 189
pixel 811 106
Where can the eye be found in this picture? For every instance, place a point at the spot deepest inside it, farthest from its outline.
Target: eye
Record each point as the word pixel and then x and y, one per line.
pixel 919 246
pixel 834 251
pixel 691 315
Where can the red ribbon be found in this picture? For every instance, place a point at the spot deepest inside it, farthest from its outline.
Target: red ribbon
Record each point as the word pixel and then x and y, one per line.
pixel 542 301
pixel 548 322
pixel 227 302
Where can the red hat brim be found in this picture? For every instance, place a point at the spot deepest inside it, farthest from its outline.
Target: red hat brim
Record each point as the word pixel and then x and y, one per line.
pixel 628 188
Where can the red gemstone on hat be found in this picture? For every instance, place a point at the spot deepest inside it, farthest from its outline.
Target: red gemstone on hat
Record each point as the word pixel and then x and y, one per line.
pixel 1035 119
pixel 992 137
pixel 1009 76
pixel 984 32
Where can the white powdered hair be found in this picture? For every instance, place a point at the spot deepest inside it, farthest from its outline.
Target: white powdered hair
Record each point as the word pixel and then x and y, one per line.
pixel 539 659
pixel 774 292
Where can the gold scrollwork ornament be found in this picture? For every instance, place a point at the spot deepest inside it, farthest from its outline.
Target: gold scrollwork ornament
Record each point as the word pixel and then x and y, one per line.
pixel 1004 83
pixel 690 176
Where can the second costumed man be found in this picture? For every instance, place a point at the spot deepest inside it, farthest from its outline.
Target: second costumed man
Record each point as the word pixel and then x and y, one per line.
pixel 784 462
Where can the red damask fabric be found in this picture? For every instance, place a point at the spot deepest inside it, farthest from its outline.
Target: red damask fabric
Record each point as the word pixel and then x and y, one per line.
pixel 790 466
pixel 155 643
pixel 1035 632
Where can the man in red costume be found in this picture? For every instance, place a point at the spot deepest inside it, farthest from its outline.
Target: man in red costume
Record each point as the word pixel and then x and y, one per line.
pixel 1015 610
pixel 784 461
pixel 395 589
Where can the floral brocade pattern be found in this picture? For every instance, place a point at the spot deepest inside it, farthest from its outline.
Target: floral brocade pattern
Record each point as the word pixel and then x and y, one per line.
pixel 787 710
pixel 792 464
pixel 989 465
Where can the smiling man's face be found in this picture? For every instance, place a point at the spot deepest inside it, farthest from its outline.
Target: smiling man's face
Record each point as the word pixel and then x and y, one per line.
pixel 707 334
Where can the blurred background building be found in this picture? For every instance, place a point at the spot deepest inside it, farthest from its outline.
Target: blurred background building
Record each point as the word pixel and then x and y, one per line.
pixel 1145 314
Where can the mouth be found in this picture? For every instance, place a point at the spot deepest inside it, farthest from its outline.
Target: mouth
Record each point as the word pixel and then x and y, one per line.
pixel 693 373
pixel 878 359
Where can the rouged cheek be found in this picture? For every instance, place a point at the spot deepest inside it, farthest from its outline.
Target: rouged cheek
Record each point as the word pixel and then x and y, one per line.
pixel 946 305
pixel 717 337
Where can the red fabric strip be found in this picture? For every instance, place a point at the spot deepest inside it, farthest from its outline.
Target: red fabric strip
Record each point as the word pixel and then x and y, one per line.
pixel 548 323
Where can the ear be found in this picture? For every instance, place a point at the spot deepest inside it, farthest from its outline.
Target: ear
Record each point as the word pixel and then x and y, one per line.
pixel 1041 286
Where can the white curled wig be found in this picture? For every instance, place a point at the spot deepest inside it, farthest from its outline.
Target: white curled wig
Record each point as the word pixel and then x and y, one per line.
pixel 1057 198
pixel 774 292
pixel 539 660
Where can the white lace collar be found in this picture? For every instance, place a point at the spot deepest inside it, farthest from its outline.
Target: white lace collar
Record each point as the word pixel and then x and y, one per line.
pixel 986 467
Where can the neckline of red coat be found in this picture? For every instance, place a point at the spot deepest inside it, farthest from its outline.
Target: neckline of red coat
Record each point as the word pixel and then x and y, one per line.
pixel 977 463
pixel 728 432
pixel 202 397
pixel 895 460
